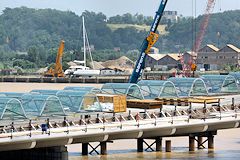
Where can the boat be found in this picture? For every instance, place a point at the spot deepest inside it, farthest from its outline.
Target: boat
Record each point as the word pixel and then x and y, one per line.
pixel 81 68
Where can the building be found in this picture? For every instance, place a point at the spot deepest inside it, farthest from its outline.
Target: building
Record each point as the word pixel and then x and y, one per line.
pixel 213 58
pixel 162 61
pixel 171 15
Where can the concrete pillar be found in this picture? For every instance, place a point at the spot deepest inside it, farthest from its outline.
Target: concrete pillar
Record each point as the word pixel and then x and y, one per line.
pixel 200 141
pixel 191 143
pixel 158 144
pixel 103 146
pixel 211 142
pixel 168 146
pixel 85 149
pixel 140 145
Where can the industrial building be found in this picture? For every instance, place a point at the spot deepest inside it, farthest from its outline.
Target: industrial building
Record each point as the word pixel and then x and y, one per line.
pixel 212 58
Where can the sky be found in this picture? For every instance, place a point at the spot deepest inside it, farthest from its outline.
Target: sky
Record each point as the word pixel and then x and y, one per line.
pixel 114 7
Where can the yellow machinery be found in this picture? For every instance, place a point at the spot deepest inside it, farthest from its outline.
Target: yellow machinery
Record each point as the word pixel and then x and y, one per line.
pixel 57 71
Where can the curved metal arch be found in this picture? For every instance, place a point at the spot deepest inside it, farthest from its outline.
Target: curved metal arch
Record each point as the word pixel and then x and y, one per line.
pixel 228 76
pixel 197 79
pixel 13 99
pixel 137 87
pixel 192 81
pixel 172 85
pixel 129 85
pixel 44 105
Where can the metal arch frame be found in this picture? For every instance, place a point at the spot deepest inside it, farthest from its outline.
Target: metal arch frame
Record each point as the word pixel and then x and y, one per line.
pixel 138 89
pixel 228 76
pixel 70 96
pixel 173 87
pixel 127 89
pixel 44 105
pixel 13 99
pixel 193 82
pixel 66 96
pixel 191 89
pixel 223 81
pixel 162 86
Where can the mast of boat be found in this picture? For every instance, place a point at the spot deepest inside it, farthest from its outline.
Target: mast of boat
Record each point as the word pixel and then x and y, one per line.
pixel 85 41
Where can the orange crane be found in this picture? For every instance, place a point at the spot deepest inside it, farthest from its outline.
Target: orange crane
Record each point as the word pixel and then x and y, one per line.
pixel 57 71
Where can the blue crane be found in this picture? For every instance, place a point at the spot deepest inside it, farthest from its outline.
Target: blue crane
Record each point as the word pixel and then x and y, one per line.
pixel 148 43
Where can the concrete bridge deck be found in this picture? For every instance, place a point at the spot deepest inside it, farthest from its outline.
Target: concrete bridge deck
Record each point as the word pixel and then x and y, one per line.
pixel 131 129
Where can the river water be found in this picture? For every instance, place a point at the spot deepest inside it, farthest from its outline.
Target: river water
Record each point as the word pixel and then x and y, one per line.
pixel 227 146
pixel 227 142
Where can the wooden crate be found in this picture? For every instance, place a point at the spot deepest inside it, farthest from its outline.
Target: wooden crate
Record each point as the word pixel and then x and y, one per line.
pixel 119 101
pixel 144 104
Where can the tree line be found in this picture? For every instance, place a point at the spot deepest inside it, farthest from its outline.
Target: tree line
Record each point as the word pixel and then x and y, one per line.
pixel 29 38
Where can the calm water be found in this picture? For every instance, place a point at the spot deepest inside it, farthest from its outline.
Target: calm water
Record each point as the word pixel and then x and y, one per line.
pixel 178 153
pixel 227 146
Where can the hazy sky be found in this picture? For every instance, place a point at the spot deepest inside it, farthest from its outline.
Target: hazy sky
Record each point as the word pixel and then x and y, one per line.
pixel 114 7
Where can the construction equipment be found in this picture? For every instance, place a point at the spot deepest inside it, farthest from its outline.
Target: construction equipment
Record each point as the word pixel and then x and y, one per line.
pixel 148 43
pixel 57 71
pixel 191 65
pixel 204 24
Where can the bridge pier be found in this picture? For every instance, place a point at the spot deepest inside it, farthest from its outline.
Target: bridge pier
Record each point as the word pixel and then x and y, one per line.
pixel 157 142
pixel 102 145
pixel 191 143
pixel 85 149
pixel 140 144
pixel 50 153
pixel 200 142
pixel 168 147
pixel 210 142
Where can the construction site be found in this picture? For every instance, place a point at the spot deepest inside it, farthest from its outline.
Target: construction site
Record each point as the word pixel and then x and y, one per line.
pixel 94 109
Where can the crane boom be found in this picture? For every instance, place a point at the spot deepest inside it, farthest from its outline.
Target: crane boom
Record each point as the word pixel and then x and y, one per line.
pixel 58 65
pixel 148 43
pixel 204 24
pixel 57 70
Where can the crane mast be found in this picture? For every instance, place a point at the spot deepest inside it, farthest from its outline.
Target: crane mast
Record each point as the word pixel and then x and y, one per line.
pixel 57 70
pixel 148 43
pixel 204 24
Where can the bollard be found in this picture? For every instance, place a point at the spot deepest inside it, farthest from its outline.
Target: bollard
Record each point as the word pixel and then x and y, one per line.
pixel 160 113
pixel 205 110
pixel 175 111
pixel 129 115
pixel 114 117
pixel 233 104
pixel 168 146
pixel 190 110
pixel 97 119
